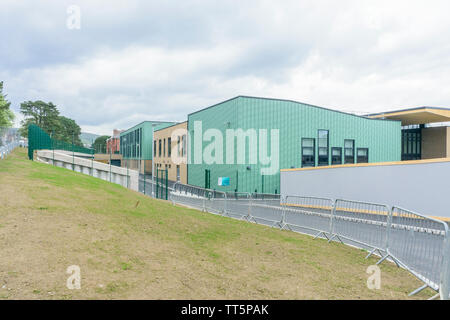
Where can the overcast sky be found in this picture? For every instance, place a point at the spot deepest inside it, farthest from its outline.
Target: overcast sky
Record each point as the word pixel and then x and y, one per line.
pixel 160 60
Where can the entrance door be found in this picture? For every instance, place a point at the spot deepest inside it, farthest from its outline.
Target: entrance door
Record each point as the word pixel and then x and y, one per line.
pixel 207 179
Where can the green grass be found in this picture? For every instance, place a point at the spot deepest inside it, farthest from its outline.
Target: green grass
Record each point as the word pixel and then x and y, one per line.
pixel 53 218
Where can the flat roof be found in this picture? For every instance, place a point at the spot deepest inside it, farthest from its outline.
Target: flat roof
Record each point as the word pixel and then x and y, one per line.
pixel 420 115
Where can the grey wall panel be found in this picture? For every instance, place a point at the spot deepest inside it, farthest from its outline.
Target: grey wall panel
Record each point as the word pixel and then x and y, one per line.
pixel 424 187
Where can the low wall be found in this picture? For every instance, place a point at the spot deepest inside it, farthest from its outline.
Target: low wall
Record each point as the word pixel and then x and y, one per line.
pixel 420 186
pixel 126 178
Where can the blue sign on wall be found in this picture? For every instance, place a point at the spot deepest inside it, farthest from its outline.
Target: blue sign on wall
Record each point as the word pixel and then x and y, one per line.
pixel 224 181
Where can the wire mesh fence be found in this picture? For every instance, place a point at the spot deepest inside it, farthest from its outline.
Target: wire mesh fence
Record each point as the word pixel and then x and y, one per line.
pixel 38 139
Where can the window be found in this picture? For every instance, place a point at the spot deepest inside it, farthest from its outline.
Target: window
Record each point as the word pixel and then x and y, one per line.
pixel 164 153
pixel 349 151
pixel 178 146
pixel 154 148
pixel 183 147
pixel 323 148
pixel 159 153
pixel 336 156
pixel 362 155
pixel 169 146
pixel 411 144
pixel 308 155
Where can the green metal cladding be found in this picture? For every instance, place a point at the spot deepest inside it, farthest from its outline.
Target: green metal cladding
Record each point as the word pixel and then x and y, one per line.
pixel 295 121
pixel 137 142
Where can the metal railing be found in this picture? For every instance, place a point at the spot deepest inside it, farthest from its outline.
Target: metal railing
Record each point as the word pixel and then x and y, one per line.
pixel 309 215
pixel 9 140
pixel 418 243
pixel 415 242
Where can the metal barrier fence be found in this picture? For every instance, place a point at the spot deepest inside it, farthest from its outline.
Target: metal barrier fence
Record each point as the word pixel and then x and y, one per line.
pixel 308 214
pixel 267 209
pixel 239 205
pixel 418 243
pixel 9 140
pixel 361 222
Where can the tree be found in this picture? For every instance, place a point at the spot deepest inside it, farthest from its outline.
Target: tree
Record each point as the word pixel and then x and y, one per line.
pixel 100 144
pixel 45 115
pixel 68 130
pixel 6 115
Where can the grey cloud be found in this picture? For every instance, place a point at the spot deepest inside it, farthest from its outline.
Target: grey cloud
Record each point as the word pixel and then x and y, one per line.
pixel 347 54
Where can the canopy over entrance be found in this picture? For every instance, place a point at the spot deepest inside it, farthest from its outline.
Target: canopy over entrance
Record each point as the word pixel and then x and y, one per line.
pixel 421 115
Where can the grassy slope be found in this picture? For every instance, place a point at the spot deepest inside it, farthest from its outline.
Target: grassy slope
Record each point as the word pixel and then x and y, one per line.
pixel 131 246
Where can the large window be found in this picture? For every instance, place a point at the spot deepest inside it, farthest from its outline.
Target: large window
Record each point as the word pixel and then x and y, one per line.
pixel 164 153
pixel 362 155
pixel 169 147
pixel 308 154
pixel 160 145
pixel 183 147
pixel 411 144
pixel 178 146
pixel 154 148
pixel 323 148
pixel 349 151
pixel 336 156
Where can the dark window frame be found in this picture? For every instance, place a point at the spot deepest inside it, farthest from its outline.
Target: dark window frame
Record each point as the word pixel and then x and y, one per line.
pixel 353 152
pixel 366 157
pixel 311 162
pixel 322 162
pixel 169 147
pixel 164 148
pixel 183 145
pixel 335 163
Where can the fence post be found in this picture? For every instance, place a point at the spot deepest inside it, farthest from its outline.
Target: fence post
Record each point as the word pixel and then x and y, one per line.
pixel 283 211
pixel 53 147
pixel 332 227
pixel 204 200
pixel 110 165
pixel 225 204
pixel 73 152
pixel 145 183
pixel 157 184
pixel 388 237
pixel 127 175
pixel 167 183
pixel 249 217
pixel 92 159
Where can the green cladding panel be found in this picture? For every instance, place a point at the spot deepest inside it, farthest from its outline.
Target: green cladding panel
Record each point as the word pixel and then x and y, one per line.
pixel 137 142
pixel 294 121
